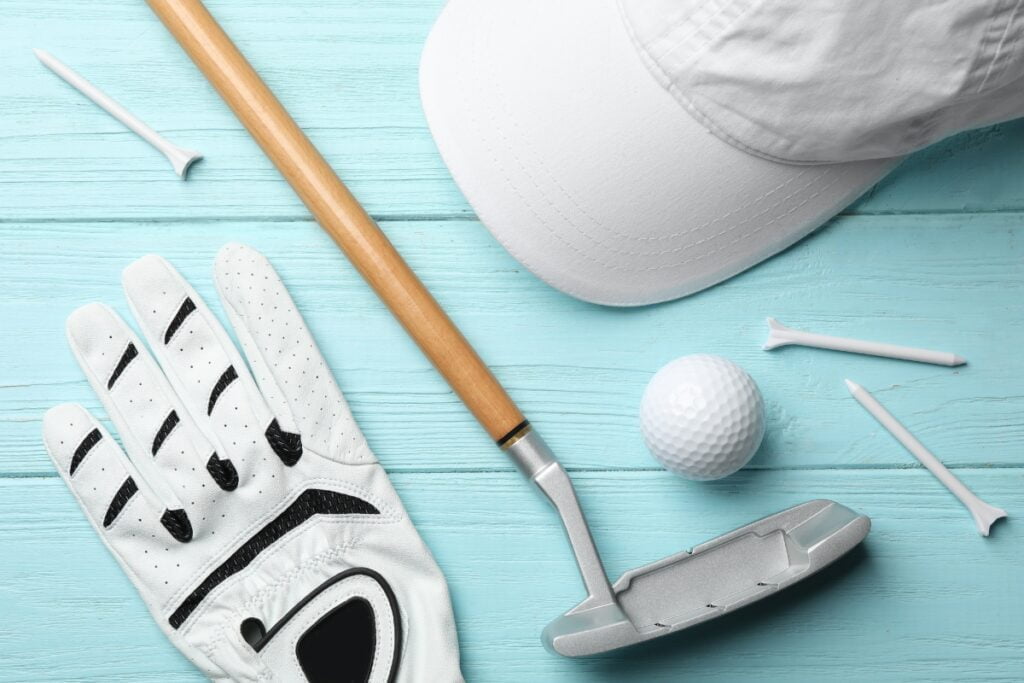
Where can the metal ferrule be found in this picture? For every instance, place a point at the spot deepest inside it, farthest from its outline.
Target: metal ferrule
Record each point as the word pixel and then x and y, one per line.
pixel 529 452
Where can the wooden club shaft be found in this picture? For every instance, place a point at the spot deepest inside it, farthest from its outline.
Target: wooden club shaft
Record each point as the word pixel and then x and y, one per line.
pixel 339 213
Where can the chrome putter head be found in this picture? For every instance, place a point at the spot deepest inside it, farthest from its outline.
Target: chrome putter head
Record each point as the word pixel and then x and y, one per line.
pixel 713 579
pixel 691 587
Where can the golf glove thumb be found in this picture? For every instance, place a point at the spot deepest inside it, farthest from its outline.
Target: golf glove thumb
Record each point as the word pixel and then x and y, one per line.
pixel 249 512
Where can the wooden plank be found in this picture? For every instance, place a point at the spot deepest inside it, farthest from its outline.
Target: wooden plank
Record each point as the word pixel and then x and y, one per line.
pixel 348 72
pixel 947 282
pixel 926 600
pixel 932 256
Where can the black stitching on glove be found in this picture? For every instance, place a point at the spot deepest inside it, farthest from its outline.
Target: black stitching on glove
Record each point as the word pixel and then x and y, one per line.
pixel 287 445
pixel 128 489
pixel 223 472
pixel 130 353
pixel 90 440
pixel 310 503
pixel 176 521
pixel 227 378
pixel 186 308
pixel 170 422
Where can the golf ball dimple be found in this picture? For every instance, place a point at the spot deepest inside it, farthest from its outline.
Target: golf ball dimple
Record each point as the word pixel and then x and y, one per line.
pixel 702 416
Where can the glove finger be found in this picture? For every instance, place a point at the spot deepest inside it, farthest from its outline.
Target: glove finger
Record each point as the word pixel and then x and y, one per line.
pixel 116 498
pixel 160 437
pixel 203 364
pixel 291 372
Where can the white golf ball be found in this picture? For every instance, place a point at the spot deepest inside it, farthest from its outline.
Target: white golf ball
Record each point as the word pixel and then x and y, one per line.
pixel 702 416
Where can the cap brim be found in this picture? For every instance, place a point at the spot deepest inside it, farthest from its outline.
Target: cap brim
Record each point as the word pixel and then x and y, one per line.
pixel 589 172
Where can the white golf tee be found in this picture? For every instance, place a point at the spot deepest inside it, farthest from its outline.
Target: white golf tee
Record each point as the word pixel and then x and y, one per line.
pixel 181 159
pixel 780 335
pixel 983 513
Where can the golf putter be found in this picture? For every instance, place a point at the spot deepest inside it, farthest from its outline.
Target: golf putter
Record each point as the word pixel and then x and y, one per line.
pixel 672 594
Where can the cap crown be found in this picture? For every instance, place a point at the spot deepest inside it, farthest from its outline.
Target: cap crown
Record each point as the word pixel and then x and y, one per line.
pixel 844 80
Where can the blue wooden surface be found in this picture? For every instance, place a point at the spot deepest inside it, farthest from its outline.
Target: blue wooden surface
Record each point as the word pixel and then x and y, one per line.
pixel 932 256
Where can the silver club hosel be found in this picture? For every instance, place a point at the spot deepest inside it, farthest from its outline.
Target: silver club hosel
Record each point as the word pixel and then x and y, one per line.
pixel 535 460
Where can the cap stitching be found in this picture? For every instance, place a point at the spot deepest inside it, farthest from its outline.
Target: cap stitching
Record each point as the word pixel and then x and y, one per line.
pixel 581 288
pixel 672 41
pixel 681 233
pixel 437 126
pixel 579 229
pixel 701 30
pixel 1000 53
pixel 691 107
pixel 923 126
pixel 498 128
pixel 568 219
pixel 468 107
pixel 526 202
pixel 672 26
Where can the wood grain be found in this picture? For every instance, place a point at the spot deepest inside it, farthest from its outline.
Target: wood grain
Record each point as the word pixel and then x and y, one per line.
pixel 347 72
pixel 946 282
pixel 926 599
pixel 932 256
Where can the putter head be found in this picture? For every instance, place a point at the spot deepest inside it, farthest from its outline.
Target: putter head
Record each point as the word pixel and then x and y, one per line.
pixel 714 578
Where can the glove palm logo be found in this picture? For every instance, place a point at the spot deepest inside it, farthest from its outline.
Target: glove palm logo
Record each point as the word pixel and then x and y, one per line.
pixel 246 498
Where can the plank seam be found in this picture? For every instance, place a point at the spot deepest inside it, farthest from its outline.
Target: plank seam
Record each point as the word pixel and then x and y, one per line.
pixel 466 217
pixel 637 470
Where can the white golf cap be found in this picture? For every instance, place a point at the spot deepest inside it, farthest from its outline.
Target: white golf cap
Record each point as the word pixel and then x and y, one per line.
pixel 629 152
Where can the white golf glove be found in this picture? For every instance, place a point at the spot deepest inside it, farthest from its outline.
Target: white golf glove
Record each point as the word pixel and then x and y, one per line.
pixel 251 515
